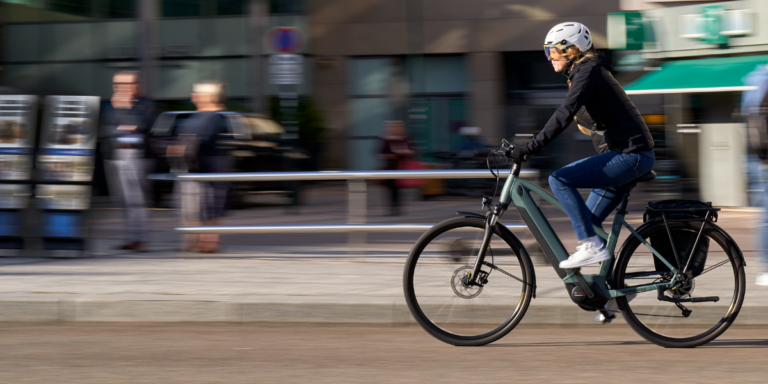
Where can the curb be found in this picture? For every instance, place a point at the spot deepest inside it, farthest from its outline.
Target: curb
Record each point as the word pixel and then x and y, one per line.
pixel 255 309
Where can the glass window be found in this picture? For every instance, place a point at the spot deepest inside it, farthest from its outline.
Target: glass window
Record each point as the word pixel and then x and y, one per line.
pixel 188 8
pixel 371 76
pixel 436 74
pixel 286 6
pixel 61 10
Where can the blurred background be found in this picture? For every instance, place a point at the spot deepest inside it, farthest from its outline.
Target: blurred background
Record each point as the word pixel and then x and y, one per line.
pixel 310 85
pixel 103 103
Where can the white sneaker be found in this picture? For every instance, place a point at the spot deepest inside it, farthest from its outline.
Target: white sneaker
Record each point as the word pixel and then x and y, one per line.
pixel 591 251
pixel 611 309
pixel 762 279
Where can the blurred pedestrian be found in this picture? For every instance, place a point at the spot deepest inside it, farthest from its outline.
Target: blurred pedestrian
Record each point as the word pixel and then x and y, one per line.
pixel 754 106
pixel 127 124
pixel 203 203
pixel 395 149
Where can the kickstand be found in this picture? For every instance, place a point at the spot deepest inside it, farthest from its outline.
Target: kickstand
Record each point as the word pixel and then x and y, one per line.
pixel 686 312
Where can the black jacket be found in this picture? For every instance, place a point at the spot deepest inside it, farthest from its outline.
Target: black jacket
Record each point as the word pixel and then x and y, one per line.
pixel 142 115
pixel 598 136
pixel 615 117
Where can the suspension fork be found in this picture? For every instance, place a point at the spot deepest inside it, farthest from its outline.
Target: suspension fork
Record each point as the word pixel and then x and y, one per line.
pixel 490 225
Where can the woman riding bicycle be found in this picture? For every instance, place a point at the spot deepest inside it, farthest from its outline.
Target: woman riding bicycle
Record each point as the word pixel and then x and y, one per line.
pixel 622 139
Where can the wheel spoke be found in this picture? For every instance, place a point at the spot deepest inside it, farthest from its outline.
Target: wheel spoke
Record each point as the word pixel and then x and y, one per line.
pixel 673 324
pixel 455 309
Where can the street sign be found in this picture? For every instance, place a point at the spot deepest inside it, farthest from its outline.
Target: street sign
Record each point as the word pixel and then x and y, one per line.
pixel 626 30
pixel 712 23
pixel 715 25
pixel 285 39
pixel 286 69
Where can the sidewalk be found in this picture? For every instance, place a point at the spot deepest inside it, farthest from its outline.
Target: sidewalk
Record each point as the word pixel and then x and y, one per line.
pixel 273 278
pixel 288 285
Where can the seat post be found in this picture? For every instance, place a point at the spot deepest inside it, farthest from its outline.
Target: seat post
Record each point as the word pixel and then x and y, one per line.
pixel 623 206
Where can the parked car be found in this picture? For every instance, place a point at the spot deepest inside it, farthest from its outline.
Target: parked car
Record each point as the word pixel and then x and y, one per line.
pixel 255 143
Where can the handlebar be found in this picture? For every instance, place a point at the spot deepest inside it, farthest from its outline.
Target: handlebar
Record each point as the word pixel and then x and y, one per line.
pixel 505 151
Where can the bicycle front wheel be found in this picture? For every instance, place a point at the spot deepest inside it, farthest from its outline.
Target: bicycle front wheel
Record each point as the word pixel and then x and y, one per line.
pixel 716 272
pixel 449 309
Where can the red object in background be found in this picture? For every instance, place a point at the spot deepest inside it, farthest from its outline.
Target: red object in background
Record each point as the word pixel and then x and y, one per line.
pixel 410 165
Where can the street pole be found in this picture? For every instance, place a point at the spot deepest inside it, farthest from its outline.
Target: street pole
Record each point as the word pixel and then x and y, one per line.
pixel 148 14
pixel 257 11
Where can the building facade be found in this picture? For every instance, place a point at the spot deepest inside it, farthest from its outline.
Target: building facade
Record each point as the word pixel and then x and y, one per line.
pixel 436 64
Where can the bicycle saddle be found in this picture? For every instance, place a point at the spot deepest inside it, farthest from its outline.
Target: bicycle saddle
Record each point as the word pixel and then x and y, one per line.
pixel 646 177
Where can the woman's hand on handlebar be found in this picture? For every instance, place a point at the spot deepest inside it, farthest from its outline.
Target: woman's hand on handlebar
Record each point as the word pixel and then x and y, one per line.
pixel 519 154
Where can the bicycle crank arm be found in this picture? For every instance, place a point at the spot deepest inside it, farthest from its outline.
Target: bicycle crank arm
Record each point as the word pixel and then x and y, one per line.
pixel 689 300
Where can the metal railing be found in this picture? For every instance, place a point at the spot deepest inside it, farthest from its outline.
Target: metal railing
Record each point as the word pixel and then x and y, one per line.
pixel 357 190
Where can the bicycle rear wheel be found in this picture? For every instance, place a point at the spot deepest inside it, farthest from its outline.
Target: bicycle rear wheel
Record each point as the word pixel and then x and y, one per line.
pixel 464 315
pixel 686 324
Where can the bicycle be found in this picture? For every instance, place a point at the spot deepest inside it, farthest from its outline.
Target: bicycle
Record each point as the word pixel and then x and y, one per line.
pixel 468 280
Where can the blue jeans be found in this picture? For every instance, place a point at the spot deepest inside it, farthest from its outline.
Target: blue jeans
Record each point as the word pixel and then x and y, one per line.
pixel 757 178
pixel 607 174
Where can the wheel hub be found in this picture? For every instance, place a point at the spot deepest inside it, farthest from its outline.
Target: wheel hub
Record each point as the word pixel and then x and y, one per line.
pixel 684 288
pixel 460 283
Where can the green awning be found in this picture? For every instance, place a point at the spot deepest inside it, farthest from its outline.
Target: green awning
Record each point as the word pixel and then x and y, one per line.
pixel 722 74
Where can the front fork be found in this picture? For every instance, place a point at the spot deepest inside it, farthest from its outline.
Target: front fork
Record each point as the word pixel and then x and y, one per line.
pixel 490 224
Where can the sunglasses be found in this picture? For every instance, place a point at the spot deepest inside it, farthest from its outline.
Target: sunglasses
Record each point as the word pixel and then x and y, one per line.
pixel 553 52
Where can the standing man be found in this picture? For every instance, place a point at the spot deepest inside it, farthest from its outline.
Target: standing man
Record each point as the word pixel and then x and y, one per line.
pixel 127 124
pixel 753 106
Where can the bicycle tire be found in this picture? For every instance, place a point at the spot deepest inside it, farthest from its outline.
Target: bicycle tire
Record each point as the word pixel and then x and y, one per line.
pixel 424 261
pixel 663 326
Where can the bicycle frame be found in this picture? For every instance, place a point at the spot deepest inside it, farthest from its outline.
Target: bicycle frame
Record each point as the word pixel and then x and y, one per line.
pixel 518 192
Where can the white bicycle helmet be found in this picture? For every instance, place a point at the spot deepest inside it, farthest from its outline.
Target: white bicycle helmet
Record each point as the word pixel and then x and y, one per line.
pixel 565 35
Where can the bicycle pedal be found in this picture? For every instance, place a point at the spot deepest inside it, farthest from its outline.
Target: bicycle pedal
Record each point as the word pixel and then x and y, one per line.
pixel 604 317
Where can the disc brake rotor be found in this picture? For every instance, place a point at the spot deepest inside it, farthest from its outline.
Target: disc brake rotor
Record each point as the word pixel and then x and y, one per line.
pixel 461 289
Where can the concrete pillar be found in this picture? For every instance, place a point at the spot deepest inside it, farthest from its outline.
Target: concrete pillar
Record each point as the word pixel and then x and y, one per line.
pixel 330 93
pixel 257 14
pixel 148 12
pixel 486 95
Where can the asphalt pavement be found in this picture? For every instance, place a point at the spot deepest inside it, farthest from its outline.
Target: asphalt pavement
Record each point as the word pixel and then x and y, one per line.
pixel 97 353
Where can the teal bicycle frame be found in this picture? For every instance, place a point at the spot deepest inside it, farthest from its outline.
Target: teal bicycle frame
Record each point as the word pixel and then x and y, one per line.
pixel 517 192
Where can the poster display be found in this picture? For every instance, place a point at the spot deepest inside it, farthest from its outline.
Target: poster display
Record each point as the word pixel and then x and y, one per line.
pixel 18 115
pixel 17 135
pixel 68 138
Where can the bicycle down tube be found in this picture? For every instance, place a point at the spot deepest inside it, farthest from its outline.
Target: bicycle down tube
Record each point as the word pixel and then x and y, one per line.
pixel 518 192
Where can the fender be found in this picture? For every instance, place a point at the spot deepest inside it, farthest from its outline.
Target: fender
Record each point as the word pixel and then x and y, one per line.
pixel 470 214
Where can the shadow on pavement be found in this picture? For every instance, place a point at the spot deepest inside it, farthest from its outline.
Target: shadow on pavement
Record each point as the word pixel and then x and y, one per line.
pixel 567 344
pixel 746 343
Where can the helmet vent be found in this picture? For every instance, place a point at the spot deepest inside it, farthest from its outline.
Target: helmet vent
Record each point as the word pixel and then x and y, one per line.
pixel 568 25
pixel 587 32
pixel 559 30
